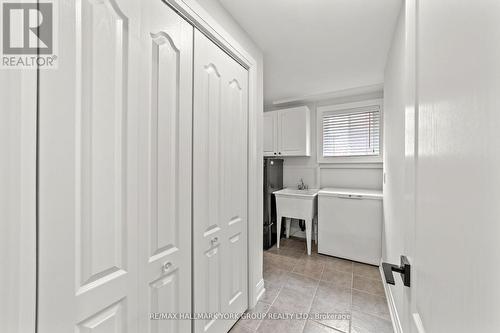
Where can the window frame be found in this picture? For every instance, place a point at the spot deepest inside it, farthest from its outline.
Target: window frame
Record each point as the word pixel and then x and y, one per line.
pixel 341 108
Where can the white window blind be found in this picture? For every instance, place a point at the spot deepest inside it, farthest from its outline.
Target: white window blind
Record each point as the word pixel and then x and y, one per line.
pixel 352 132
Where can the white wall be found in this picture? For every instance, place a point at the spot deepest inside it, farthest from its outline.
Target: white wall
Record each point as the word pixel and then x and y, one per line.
pixel 226 21
pixel 395 209
pixel 368 176
pixel 330 175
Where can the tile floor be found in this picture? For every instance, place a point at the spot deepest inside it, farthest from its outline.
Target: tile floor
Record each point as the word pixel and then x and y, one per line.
pixel 298 283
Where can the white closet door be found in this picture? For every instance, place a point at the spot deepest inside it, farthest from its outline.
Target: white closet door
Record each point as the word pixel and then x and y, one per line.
pixel 165 168
pixel 87 171
pixel 219 185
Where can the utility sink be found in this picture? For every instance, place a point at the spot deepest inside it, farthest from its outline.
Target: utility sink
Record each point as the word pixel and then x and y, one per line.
pixel 298 204
pixel 297 193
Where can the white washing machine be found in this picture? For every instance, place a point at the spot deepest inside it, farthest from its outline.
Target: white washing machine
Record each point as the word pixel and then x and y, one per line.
pixel 350 224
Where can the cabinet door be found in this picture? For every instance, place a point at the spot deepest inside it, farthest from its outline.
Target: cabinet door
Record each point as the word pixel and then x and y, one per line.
pixel 219 185
pixel 87 155
pixel 270 127
pixel 294 132
pixel 165 168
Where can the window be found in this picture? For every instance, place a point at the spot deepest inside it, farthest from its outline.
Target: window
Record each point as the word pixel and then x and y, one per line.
pixel 349 133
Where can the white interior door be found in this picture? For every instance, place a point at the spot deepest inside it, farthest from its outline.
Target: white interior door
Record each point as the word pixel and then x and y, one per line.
pixel 457 208
pixel 165 168
pixel 410 316
pixel 18 200
pixel 87 171
pixel 219 185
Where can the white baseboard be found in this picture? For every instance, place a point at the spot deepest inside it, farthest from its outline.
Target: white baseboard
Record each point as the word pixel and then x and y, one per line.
pixel 259 290
pixel 396 323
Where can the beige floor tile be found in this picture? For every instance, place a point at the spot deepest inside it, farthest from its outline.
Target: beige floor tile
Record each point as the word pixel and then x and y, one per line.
pixel 371 304
pixel 301 283
pixel 315 257
pixel 342 279
pixel 271 292
pixel 312 269
pixel 368 271
pixel 287 251
pixel 275 276
pixel 330 297
pixel 365 323
pixel 269 325
pixel 314 327
pixel 339 325
pixel 295 243
pixel 240 328
pixel 293 301
pixel 285 263
pixel 338 264
pixel 333 300
pixel 371 286
pixel 296 289
pixel 254 316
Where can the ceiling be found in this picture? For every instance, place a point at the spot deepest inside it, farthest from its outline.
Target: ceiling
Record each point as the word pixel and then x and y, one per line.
pixel 318 46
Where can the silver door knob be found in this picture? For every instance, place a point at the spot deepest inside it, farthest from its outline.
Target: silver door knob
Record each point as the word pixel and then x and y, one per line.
pixel 166 266
pixel 214 241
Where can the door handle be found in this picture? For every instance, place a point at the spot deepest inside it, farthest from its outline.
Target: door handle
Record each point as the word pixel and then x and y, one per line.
pixel 404 269
pixel 166 266
pixel 350 196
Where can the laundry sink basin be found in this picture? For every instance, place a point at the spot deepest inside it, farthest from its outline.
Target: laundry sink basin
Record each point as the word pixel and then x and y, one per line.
pixel 297 204
pixel 297 193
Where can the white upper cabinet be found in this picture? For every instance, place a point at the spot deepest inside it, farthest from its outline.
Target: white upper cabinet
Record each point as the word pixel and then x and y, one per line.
pixel 294 132
pixel 287 132
pixel 270 133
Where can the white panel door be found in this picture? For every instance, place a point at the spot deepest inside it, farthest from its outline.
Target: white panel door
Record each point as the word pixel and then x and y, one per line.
pixel 219 185
pixel 457 229
pixel 165 168
pixel 18 200
pixel 87 172
pixel 270 129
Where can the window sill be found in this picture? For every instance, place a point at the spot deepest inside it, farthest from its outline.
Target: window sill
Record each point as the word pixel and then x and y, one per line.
pixel 349 162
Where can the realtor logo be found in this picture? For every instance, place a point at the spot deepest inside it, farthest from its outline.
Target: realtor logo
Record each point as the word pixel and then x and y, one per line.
pixel 28 31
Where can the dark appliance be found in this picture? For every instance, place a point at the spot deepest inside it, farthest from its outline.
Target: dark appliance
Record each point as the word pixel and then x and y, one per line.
pixel 273 181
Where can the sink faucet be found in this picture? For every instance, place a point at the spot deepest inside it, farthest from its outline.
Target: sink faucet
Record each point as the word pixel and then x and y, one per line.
pixel 302 186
